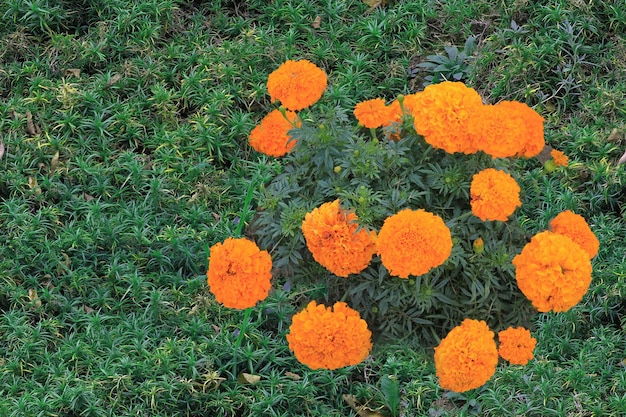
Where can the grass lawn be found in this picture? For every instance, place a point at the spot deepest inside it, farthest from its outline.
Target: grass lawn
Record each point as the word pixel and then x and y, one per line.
pixel 124 156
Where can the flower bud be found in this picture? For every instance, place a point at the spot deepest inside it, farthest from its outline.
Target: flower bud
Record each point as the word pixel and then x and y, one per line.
pixel 479 246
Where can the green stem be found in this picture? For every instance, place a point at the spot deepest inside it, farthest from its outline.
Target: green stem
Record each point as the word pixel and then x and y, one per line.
pixel 242 331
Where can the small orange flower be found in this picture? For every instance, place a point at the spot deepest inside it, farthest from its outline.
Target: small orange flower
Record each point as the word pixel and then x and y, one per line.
pixel 441 113
pixel 271 136
pixel 559 158
pixel 239 273
pixel 372 113
pixel 495 195
pixel 576 228
pixel 516 345
pixel 333 236
pixel 553 272
pixel 297 84
pixel 530 127
pixel 329 337
pixel 412 242
pixel 467 357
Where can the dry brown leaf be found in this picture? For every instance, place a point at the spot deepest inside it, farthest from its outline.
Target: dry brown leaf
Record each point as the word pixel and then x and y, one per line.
pixel 31 127
pixel 316 23
pixel 245 378
pixel 88 309
pixel 293 376
pixel 54 162
pixel 1 148
pixel 622 159
pixel 614 136
pixel 72 72
pixel 361 410
pixel 113 80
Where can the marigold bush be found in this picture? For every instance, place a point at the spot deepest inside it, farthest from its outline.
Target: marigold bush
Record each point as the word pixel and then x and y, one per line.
pixel 553 271
pixel 271 135
pixel 412 242
pixel 516 345
pixel 239 273
pixel 576 228
pixel 297 84
pixel 467 357
pixel 495 195
pixel 329 337
pixel 333 236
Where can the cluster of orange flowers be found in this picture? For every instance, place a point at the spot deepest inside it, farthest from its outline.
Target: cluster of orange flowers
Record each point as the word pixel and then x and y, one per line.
pixel 271 136
pixel 494 195
pixel 239 273
pixel 516 345
pixel 333 236
pixel 329 337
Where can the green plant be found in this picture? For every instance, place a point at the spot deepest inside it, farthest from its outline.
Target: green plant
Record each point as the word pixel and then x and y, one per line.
pixel 455 66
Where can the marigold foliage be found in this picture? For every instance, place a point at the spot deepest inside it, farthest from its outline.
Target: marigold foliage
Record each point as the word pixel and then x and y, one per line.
pixel 329 337
pixel 271 136
pixel 441 114
pixel 494 195
pixel 559 158
pixel 467 357
pixel 553 272
pixel 333 236
pixel 297 84
pixel 412 242
pixel 530 127
pixel 494 132
pixel 516 345
pixel 576 228
pixel 372 113
pixel 239 273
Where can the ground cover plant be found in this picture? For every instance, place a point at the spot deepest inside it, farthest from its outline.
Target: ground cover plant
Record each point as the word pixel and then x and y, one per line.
pixel 124 156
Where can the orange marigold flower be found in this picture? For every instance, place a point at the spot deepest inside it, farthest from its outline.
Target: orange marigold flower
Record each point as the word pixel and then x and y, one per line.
pixel 329 337
pixel 239 273
pixel 576 228
pixel 495 132
pixel 495 195
pixel 553 272
pixel 516 345
pixel 441 113
pixel 559 158
pixel 372 113
pixel 530 127
pixel 271 136
pixel 467 357
pixel 412 242
pixel 333 236
pixel 297 84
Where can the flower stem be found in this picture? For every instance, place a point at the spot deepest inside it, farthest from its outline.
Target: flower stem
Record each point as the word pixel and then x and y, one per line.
pixel 242 331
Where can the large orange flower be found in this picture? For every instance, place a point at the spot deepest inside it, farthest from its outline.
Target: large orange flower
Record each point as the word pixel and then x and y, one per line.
pixel 297 84
pixel 495 195
pixel 329 337
pixel 530 127
pixel 333 236
pixel 412 242
pixel 467 357
pixel 372 113
pixel 516 345
pixel 494 132
pixel 239 273
pixel 553 272
pixel 441 113
pixel 271 136
pixel 576 228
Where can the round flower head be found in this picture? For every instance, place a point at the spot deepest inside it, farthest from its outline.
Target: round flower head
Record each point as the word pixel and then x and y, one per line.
pixel 297 84
pixel 553 272
pixel 412 242
pixel 576 228
pixel 494 132
pixel 372 113
pixel 559 158
pixel 335 240
pixel 530 127
pixel 441 113
pixel 329 337
pixel 516 345
pixel 239 273
pixel 467 357
pixel 495 195
pixel 271 135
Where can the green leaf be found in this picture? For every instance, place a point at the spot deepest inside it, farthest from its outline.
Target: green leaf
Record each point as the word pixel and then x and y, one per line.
pixel 391 391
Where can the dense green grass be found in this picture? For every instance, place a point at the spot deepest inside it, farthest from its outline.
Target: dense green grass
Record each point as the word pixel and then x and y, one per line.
pixel 124 126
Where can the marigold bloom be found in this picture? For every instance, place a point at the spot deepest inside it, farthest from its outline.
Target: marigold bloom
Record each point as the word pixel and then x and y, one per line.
pixel 516 345
pixel 372 113
pixel 441 113
pixel 329 337
pixel 412 242
pixel 495 195
pixel 495 132
pixel 559 158
pixel 576 228
pixel 333 236
pixel 530 127
pixel 467 357
pixel 553 272
pixel 297 84
pixel 271 136
pixel 239 273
